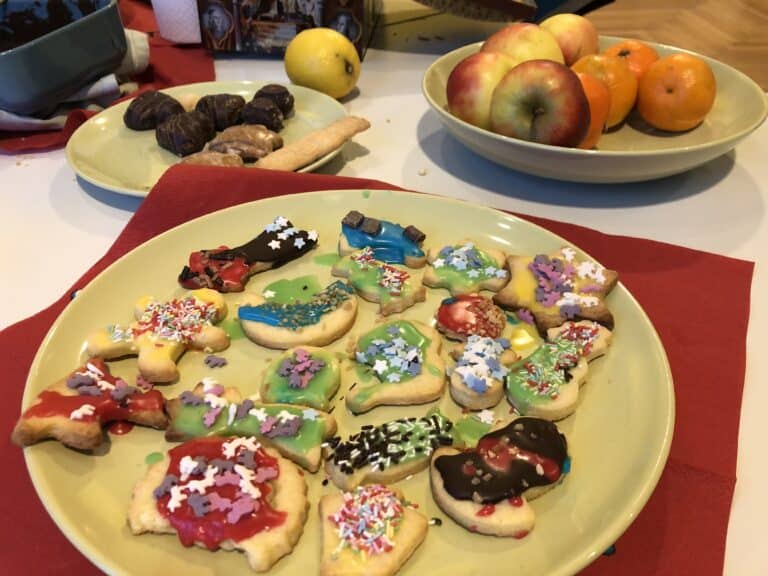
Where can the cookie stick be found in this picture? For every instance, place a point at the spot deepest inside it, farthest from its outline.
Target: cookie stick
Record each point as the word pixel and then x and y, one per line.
pixel 314 145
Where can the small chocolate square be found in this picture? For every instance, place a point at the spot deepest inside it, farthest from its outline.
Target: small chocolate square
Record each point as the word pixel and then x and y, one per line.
pixel 371 226
pixel 353 219
pixel 414 234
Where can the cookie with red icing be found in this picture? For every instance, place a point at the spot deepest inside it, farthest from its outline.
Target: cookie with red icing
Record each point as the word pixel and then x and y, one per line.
pixel 228 269
pixel 228 493
pixel 556 287
pixel 486 488
pixel 370 530
pixel 462 316
pixel 75 409
pixel 163 331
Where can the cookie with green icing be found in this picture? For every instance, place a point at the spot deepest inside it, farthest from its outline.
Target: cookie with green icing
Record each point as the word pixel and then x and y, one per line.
pixel 557 287
pixel 392 287
pixel 395 363
pixel 386 453
pixel 283 317
pixel 210 409
pixel 465 268
pixel 477 379
pixel 304 375
pixel 546 383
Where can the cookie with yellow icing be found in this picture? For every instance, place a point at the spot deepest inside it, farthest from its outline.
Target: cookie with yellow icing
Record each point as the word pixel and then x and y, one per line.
pixel 465 268
pixel 370 530
pixel 556 287
pixel 163 331
pixel 224 493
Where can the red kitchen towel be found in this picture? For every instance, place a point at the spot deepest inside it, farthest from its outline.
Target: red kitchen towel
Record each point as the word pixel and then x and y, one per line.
pixel 169 65
pixel 682 530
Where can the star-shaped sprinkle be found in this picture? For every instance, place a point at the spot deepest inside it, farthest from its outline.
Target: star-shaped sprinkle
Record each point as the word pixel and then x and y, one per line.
pixel 312 235
pixel 268 294
pixel 486 417
pixel 380 366
pixel 438 263
pixel 259 413
pixel 310 414
pixel 299 242
pixel 274 244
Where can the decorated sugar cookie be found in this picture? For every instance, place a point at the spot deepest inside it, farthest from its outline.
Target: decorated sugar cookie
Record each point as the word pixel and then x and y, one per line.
pixel 464 268
pixel 546 383
pixel 397 362
pixel 470 314
pixel 228 493
pixel 163 331
pixel 393 288
pixel 558 287
pixel 485 488
pixel 390 242
pixel 303 375
pixel 477 380
pixel 388 452
pixel 369 530
pixel 228 269
pixel 211 409
pixel 314 319
pixel 74 410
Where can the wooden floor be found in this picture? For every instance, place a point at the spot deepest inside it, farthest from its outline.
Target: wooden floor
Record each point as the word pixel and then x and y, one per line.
pixel 732 31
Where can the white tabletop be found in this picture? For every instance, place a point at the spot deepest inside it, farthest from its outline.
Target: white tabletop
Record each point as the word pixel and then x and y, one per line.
pixel 54 227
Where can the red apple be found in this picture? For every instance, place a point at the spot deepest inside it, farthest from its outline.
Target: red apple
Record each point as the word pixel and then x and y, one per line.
pixel 471 84
pixel 541 101
pixel 523 41
pixel 576 35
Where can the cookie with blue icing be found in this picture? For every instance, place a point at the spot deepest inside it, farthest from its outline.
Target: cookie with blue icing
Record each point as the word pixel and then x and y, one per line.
pixel 317 319
pixel 391 243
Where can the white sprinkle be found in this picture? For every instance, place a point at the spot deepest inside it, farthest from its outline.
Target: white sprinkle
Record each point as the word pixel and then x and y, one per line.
pixel 82 412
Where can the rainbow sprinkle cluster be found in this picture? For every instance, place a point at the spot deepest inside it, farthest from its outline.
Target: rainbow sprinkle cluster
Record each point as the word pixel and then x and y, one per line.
pixel 368 519
pixel 390 278
pixel 177 320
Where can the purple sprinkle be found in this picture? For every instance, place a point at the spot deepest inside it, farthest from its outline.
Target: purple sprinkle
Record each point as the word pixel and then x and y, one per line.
pixel 189 398
pixel 268 424
pixel 504 343
pixel 199 503
pixel 122 391
pixel 165 487
pixel 247 459
pixel 294 380
pixel 243 408
pixel 201 465
pixel 493 364
pixel 301 355
pixel 285 368
pixel 570 311
pixel 287 428
pixel 209 418
pixel 213 361
pixel 143 384
pixel 393 330
pixel 264 474
pixel 78 380
pixel 222 465
pixel 240 508
pixel 591 288
pixel 219 503
pixel 228 478
pixel 89 391
pixel 475 383
pixel 414 369
pixel 525 316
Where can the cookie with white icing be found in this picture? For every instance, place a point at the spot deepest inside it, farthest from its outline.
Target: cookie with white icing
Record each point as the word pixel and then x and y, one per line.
pixel 317 320
pixel 396 363
pixel 557 287
pixel 465 268
pixel 370 530
pixel 74 409
pixel 477 379
pixel 546 383
pixel 304 375
pixel 163 331
pixel 228 493
pixel 392 287
pixel 211 409
pixel 386 453
pixel 485 489
pixel 390 242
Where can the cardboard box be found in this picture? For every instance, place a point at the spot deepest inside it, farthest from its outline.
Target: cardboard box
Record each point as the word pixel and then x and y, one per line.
pixel 265 27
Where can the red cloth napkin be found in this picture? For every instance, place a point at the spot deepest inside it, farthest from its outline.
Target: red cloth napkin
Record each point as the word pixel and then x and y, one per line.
pixel 169 65
pixel 682 529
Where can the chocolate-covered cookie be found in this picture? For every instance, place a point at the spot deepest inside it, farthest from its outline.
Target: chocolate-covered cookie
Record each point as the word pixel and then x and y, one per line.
pixel 185 133
pixel 265 112
pixel 150 109
pixel 224 110
pixel 279 94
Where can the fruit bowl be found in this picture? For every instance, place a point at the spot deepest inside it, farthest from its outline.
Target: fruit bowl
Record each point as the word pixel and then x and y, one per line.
pixel 632 153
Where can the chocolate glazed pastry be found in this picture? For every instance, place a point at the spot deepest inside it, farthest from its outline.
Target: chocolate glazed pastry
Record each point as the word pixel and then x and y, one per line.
pixel 250 142
pixel 265 112
pixel 279 95
pixel 185 133
pixel 224 110
pixel 528 452
pixel 150 109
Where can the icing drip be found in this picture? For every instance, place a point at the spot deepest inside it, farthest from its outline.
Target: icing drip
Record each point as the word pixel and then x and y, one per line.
pixel 301 313
pixel 368 519
pixel 392 443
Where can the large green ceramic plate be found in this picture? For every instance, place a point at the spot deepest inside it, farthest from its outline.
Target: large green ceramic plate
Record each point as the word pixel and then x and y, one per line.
pixel 618 438
pixel 629 154
pixel 110 155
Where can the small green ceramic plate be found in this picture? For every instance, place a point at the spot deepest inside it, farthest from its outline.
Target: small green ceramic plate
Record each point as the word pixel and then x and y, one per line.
pixel 630 154
pixel 618 438
pixel 106 153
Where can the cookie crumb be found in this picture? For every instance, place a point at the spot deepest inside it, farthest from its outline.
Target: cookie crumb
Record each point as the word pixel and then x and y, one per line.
pixel 422 171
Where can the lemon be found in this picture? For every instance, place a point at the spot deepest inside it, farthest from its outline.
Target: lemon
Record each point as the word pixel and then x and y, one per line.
pixel 323 59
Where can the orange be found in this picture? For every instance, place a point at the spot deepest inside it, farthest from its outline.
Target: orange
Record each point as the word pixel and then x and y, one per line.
pixel 638 55
pixel 599 98
pixel 621 82
pixel 676 92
